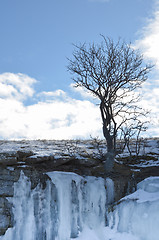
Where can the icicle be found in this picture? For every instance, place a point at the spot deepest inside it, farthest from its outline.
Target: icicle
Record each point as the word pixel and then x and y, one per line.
pixel 67 206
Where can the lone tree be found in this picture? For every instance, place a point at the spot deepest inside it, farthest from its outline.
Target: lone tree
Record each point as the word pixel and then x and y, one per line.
pixel 111 72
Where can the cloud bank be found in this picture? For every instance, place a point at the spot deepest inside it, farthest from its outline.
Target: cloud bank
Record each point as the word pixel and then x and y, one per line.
pixel 54 116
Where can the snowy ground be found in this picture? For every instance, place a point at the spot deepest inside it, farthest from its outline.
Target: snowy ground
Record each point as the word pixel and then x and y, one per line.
pixel 149 150
pixel 148 155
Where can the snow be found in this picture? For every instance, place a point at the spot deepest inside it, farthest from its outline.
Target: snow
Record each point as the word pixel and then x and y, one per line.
pixel 149 154
pixel 58 149
pixel 137 213
pixel 147 190
pixel 105 234
pixel 81 149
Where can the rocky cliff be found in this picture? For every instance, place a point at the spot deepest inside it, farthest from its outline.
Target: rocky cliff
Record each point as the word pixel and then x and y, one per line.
pixel 86 158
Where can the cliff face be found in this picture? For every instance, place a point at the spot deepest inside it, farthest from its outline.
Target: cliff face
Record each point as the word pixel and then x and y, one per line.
pixel 36 158
pixel 8 177
pixel 50 205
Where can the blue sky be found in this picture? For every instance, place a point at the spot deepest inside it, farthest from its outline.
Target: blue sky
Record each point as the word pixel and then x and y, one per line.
pixel 37 35
pixel 36 39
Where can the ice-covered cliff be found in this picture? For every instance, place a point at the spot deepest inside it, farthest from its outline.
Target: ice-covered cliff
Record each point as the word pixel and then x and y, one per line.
pixel 62 210
pixel 73 207
pixel 138 213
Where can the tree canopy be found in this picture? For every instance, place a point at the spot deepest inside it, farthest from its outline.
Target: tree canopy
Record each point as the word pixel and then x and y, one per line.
pixel 111 71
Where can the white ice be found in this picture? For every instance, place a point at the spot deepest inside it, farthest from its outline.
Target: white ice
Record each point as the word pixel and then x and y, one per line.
pixel 138 213
pixel 75 207
pixel 69 204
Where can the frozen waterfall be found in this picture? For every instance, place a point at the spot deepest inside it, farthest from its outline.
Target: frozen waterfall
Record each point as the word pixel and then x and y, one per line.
pixel 75 207
pixel 68 205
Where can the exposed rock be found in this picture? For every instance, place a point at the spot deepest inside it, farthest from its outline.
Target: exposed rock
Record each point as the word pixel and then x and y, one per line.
pixel 6 216
pixel 9 176
pixel 7 179
pixel 46 160
pixel 22 155
pixel 8 158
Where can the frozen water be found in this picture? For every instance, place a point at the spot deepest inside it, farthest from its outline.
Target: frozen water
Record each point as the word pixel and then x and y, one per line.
pixel 69 204
pixel 81 203
pixel 35 212
pixel 137 214
pixel 75 207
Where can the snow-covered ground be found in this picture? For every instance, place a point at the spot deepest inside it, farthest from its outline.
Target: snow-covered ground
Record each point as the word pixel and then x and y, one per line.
pixel 148 154
pixel 56 148
pixel 83 149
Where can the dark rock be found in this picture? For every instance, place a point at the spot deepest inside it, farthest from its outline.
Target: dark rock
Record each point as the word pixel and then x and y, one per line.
pixel 36 159
pixel 22 156
pixel 8 158
pixel 6 216
pixel 7 179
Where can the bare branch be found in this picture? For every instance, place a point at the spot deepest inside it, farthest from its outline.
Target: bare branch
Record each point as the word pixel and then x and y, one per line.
pixel 111 71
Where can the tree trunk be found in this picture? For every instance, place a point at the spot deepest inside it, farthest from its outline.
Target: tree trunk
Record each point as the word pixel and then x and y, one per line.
pixel 109 139
pixel 109 161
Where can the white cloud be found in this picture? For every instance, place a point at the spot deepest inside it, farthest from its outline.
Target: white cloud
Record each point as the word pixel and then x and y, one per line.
pixel 82 92
pixel 57 93
pixel 150 93
pixel 149 40
pixel 62 120
pixel 148 43
pixel 17 86
pixel 50 96
pixel 54 116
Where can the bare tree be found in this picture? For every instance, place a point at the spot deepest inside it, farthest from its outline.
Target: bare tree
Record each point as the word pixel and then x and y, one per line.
pixel 130 136
pixel 111 72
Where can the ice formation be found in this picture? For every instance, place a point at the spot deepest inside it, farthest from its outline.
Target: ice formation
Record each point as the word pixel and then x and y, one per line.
pixel 75 207
pixel 138 213
pixel 69 204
